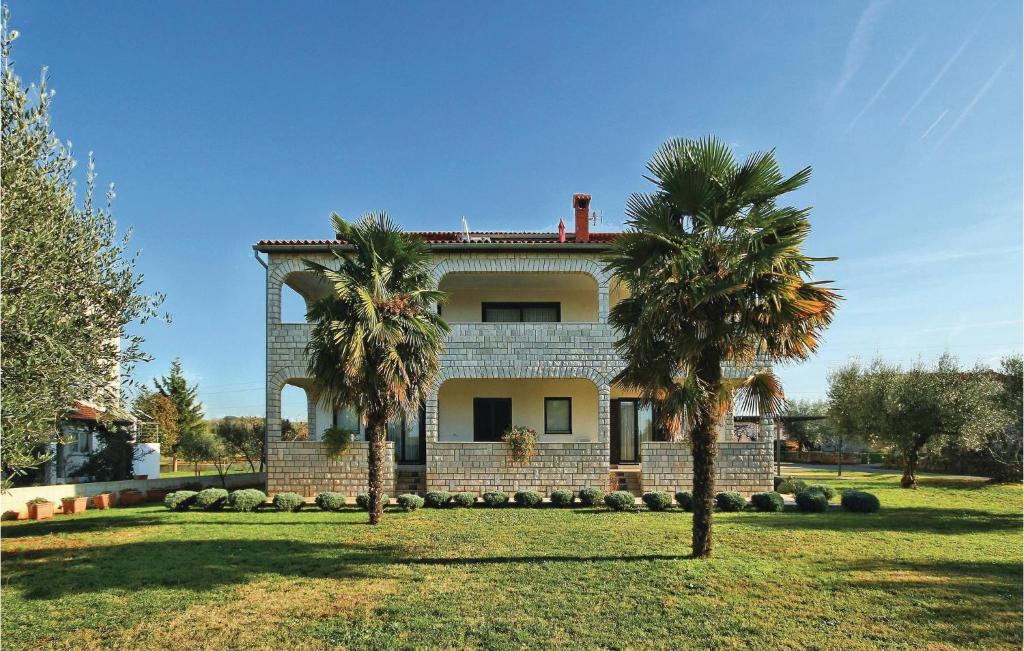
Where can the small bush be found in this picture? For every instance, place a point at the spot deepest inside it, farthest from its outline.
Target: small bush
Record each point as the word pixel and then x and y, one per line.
pixel 337 441
pixel 791 485
pixel 410 502
pixel 827 491
pixel 685 500
pixel 246 499
pixel 363 500
pixel 767 501
pixel 657 501
pixel 777 482
pixel 529 498
pixel 562 498
pixel 288 501
pixel 330 501
pixel 591 496
pixel 619 500
pixel 495 498
pixel 180 500
pixel 212 499
pixel 811 501
pixel 859 502
pixel 463 500
pixel 437 499
pixel 730 501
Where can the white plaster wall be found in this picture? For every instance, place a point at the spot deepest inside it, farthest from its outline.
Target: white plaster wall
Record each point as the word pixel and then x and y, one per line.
pixel 577 294
pixel 455 406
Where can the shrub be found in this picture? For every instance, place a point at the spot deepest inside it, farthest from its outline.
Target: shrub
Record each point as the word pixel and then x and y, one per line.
pixel 246 499
pixel 495 498
pixel 337 441
pixel 410 502
pixel 180 500
pixel 791 485
pixel 767 501
pixel 730 501
pixel 529 498
pixel 211 499
pixel 562 498
pixel 463 500
pixel 811 501
pixel 591 496
pixel 827 491
pixel 685 500
pixel 521 442
pixel 619 500
pixel 330 501
pixel 859 502
pixel 363 500
pixel 437 499
pixel 288 501
pixel 777 482
pixel 657 501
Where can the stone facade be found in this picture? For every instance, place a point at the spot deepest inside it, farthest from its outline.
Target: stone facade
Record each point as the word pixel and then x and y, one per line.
pixel 582 350
pixel 303 467
pixel 742 467
pixel 481 467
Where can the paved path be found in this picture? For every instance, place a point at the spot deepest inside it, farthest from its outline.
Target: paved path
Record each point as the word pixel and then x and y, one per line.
pixel 791 468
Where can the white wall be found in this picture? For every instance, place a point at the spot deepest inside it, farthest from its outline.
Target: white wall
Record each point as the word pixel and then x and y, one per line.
pixel 147 460
pixel 576 292
pixel 455 406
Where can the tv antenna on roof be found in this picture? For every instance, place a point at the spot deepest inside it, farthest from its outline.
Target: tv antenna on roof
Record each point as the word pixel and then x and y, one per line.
pixel 596 218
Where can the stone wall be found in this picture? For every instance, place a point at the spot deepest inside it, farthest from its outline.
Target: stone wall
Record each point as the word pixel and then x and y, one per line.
pixel 742 467
pixel 481 467
pixel 303 467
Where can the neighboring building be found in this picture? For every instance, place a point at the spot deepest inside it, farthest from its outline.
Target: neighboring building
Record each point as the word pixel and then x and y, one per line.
pixel 82 427
pixel 530 345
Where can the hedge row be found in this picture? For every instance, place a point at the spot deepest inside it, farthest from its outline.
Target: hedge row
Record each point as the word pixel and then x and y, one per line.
pixel 810 499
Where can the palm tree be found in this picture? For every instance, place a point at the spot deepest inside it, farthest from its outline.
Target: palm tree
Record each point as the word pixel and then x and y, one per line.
pixel 376 340
pixel 716 275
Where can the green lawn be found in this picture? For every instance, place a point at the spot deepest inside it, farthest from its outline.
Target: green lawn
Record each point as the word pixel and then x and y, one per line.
pixel 938 568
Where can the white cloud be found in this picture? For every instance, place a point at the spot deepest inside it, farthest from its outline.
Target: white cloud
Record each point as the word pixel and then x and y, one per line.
pixel 934 124
pixel 885 84
pixel 977 98
pixel 857 48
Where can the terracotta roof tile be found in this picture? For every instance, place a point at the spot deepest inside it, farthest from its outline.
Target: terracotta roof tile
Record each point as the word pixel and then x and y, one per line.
pixel 455 237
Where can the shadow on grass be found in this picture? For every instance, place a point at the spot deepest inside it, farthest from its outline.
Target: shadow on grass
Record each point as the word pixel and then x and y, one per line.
pixel 200 565
pixel 973 600
pixel 905 519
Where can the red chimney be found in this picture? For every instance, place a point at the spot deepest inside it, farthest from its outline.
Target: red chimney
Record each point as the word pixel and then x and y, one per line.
pixel 561 230
pixel 581 204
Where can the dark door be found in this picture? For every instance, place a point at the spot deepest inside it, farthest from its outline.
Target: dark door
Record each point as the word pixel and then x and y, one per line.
pixel 625 431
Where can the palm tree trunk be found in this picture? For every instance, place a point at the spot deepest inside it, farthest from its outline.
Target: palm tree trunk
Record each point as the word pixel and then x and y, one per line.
pixel 704 446
pixel 378 450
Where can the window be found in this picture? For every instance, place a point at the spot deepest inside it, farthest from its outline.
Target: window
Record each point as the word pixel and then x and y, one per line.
pixel 491 417
pixel 347 418
pixel 558 415
pixel 521 312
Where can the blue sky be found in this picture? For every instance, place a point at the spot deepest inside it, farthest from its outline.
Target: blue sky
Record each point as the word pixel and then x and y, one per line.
pixel 225 123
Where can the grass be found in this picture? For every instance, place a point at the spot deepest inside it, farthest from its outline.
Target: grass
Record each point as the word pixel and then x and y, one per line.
pixel 187 471
pixel 937 568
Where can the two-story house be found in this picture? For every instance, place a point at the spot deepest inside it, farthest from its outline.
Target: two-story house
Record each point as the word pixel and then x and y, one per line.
pixel 530 345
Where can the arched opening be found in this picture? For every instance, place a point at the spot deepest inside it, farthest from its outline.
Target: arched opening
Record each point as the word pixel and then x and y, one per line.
pixel 295 412
pixel 299 291
pixel 475 297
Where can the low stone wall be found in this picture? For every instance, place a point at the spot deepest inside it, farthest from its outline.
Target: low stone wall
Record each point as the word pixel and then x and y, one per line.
pixel 742 467
pixel 480 467
pixel 303 467
pixel 14 499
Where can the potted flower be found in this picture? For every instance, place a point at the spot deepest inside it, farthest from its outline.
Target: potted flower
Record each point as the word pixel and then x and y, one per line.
pixel 157 494
pixel 102 501
pixel 40 508
pixel 129 497
pixel 73 504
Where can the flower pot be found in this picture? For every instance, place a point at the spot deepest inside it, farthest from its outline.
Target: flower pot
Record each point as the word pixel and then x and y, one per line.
pixel 156 494
pixel 140 477
pixel 101 501
pixel 40 510
pixel 129 498
pixel 72 505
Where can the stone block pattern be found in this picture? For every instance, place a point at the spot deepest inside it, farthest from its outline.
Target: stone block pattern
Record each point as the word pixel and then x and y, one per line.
pixel 480 467
pixel 303 467
pixel 742 467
